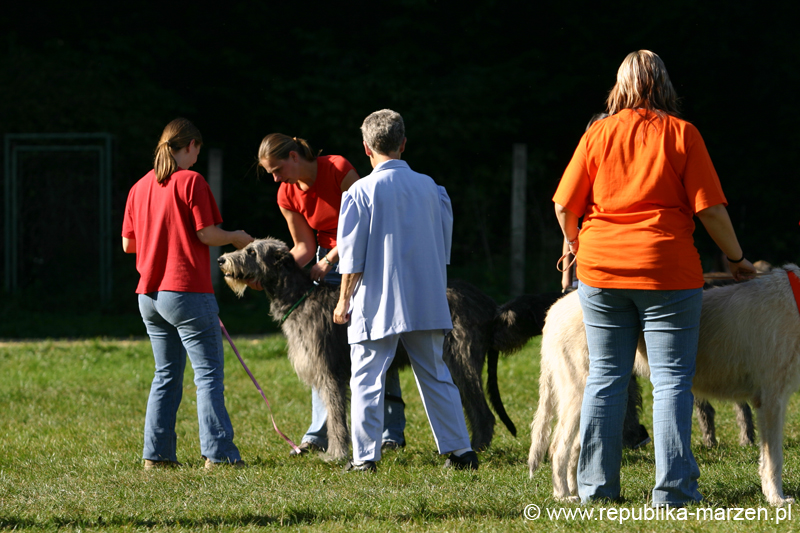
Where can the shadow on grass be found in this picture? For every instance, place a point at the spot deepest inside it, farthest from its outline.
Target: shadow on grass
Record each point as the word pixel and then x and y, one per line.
pixel 421 512
pixel 300 517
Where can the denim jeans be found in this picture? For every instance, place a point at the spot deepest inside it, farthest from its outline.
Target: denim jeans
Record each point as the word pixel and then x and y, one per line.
pixel 181 323
pixel 614 319
pixel 394 408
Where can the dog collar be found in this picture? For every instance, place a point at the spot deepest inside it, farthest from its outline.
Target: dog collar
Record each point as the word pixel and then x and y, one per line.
pixel 289 312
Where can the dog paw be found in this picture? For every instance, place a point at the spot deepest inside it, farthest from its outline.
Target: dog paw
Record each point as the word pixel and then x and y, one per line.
pixel 568 499
pixel 780 500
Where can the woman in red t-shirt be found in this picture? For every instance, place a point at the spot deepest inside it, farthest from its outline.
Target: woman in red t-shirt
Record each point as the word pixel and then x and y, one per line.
pixel 637 178
pixel 309 198
pixel 169 223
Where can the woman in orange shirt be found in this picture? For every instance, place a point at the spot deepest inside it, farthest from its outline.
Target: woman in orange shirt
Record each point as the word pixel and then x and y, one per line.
pixel 638 177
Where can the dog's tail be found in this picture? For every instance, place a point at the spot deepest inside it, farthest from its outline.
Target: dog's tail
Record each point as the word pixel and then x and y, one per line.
pixel 494 391
pixel 541 426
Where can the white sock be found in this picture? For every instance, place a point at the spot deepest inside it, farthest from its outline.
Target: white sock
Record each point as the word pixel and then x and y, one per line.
pixel 462 451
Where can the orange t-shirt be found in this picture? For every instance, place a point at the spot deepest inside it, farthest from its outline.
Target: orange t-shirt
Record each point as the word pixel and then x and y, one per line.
pixel 637 180
pixel 320 204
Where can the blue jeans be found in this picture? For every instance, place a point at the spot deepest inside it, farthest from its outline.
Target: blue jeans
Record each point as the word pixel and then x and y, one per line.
pixel 181 323
pixel 394 408
pixel 614 319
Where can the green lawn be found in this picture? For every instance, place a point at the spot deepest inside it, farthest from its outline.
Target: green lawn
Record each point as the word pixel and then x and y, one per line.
pixel 71 417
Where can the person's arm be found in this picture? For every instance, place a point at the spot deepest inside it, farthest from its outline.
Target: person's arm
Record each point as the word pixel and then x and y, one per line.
pixel 569 226
pixel 349 179
pixel 214 236
pixel 325 265
pixel 322 267
pixel 129 245
pixel 305 242
pixel 566 275
pixel 718 225
pixel 342 312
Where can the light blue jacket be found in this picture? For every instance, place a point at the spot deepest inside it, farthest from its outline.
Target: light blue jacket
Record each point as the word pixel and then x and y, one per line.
pixel 396 227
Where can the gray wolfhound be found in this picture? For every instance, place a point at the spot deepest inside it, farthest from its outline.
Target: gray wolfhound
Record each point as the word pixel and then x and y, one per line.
pixel 749 350
pixel 320 355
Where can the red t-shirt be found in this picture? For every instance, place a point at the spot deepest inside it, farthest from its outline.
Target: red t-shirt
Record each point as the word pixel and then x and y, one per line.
pixel 320 204
pixel 638 181
pixel 164 220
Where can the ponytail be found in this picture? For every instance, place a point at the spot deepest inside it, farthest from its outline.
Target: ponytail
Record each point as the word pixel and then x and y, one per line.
pixel 176 136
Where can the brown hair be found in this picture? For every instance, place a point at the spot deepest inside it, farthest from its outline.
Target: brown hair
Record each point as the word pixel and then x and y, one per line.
pixel 176 136
pixel 643 82
pixel 277 146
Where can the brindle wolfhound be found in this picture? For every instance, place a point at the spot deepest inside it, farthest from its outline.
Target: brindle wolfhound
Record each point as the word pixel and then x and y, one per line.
pixel 749 350
pixel 320 355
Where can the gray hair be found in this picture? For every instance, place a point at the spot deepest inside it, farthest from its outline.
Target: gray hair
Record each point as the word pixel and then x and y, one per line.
pixel 383 131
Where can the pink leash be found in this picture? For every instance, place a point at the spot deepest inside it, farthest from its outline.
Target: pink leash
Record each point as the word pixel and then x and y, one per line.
pixel 287 439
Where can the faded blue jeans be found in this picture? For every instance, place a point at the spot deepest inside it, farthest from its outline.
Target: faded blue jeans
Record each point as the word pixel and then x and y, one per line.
pixel 394 408
pixel 181 323
pixel 614 319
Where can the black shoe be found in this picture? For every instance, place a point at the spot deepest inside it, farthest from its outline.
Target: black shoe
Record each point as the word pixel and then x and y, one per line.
pixel 463 462
pixel 368 466
pixel 306 447
pixel 392 445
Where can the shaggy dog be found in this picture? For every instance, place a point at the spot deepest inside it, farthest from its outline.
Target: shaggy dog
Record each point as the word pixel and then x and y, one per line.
pixel 749 350
pixel 320 354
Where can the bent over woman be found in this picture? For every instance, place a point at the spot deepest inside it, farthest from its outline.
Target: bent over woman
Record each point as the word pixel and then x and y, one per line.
pixel 170 221
pixel 309 197
pixel 638 177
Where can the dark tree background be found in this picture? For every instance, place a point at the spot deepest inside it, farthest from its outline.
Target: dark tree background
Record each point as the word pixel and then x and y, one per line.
pixel 470 79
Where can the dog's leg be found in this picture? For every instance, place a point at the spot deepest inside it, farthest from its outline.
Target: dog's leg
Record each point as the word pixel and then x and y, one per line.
pixel 334 393
pixel 572 469
pixel 634 434
pixel 744 418
pixel 560 457
pixel 566 445
pixel 770 420
pixel 705 420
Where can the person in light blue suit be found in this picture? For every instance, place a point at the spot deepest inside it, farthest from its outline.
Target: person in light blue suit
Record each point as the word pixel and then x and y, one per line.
pixel 394 237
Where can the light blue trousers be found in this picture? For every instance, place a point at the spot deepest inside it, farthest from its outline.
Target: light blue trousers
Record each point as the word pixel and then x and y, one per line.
pixel 369 361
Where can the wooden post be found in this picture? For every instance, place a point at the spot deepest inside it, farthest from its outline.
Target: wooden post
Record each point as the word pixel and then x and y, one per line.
pixel 215 182
pixel 519 180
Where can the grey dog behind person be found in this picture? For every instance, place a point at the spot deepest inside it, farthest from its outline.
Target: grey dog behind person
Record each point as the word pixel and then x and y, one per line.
pixel 394 236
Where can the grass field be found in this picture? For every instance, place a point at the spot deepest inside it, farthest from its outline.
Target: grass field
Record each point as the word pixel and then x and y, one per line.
pixel 71 417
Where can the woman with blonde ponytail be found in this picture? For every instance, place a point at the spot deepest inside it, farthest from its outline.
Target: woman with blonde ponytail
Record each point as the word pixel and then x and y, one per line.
pixel 170 221
pixel 309 198
pixel 638 178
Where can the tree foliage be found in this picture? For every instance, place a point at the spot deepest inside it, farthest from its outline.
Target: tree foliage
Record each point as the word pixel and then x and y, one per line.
pixel 469 79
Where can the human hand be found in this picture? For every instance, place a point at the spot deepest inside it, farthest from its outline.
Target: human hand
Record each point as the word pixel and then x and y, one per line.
pixel 743 270
pixel 240 239
pixel 341 315
pixel 320 270
pixel 573 246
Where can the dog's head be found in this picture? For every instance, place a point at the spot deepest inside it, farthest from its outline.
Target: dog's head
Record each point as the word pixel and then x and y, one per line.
pixel 258 261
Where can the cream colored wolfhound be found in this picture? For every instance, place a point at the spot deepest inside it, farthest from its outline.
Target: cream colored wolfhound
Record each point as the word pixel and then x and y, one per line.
pixel 749 350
